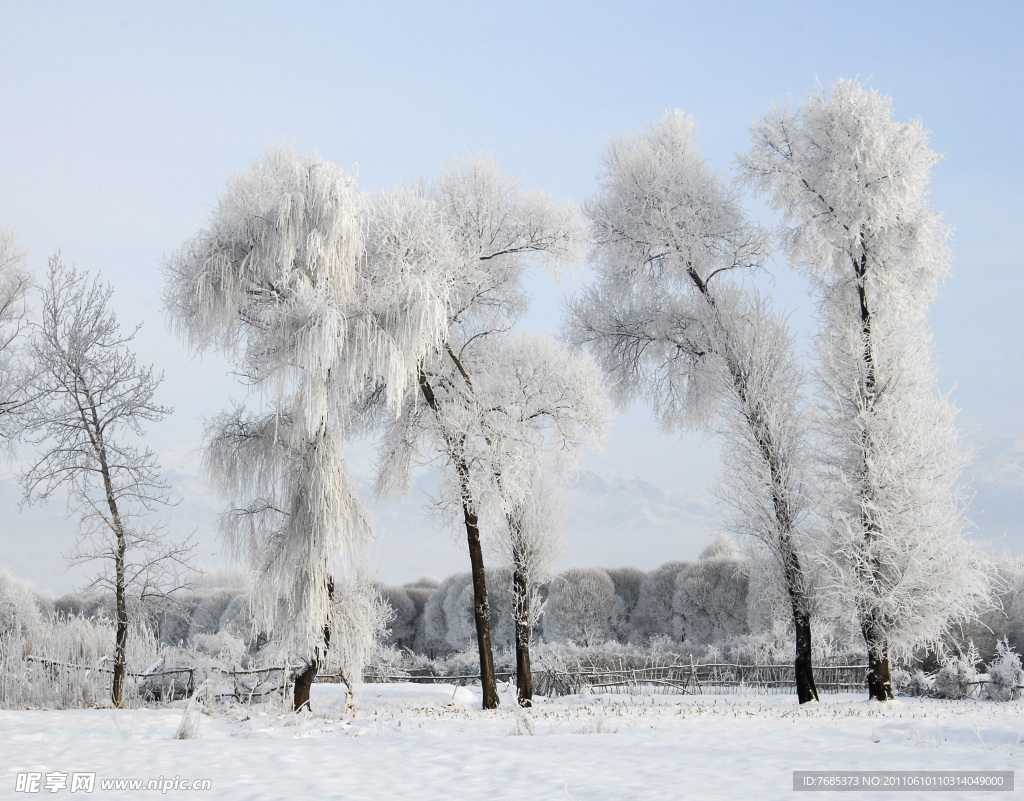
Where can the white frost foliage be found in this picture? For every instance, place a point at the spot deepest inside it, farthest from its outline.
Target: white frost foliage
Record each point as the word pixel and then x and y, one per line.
pixel 432 637
pixel 460 625
pixel 766 490
pixel 1005 674
pixel 460 628
pixel 852 181
pixel 537 405
pixel 63 662
pixel 710 600
pixel 295 509
pixel 14 284
pixel 309 284
pixel 652 616
pixel 852 185
pixel 721 547
pixel 667 231
pixel 493 218
pixel 663 212
pixel 404 616
pixel 897 552
pixel 19 611
pixel 627 581
pixel 321 295
pixel 958 676
pixel 359 620
pixel 529 541
pixel 580 607
pixel 672 320
pixel 494 232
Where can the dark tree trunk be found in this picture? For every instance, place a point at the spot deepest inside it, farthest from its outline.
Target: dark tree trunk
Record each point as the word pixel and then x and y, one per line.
pixel 524 632
pixel 303 684
pixel 879 675
pixel 120 640
pixel 769 450
pixel 304 681
pixel 120 573
pixel 481 608
pixel 803 666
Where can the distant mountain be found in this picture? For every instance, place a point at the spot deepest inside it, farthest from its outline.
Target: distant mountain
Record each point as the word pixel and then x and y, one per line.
pixel 617 519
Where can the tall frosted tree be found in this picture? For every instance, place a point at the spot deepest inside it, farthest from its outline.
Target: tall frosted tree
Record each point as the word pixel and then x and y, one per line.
pixel 670 319
pixel 491 232
pixel 852 183
pixel 539 405
pixel 312 292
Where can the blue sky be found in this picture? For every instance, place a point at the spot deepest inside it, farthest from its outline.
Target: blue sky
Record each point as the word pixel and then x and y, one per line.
pixel 121 122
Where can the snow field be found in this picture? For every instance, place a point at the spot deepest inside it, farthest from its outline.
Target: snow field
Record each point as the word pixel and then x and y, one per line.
pixel 433 742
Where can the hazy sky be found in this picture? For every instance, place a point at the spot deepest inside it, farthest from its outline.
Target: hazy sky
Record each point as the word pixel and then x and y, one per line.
pixel 121 122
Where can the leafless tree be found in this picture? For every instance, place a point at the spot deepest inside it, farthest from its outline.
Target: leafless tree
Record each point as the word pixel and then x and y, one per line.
pixel 87 401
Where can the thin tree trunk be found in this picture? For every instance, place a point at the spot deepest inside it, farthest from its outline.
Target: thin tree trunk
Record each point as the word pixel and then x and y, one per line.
pixel 879 677
pixel 304 681
pixel 92 424
pixel 481 608
pixel 121 636
pixel 524 632
pixel 803 664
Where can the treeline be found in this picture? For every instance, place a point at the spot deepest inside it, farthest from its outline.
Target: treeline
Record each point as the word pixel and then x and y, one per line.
pixel 692 603
pixel 684 605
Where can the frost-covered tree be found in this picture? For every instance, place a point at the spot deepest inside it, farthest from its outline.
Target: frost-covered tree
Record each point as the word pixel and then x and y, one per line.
pixel 581 604
pixel 432 636
pixel 88 400
pixel 538 405
pixel 851 183
pixel 14 285
pixel 710 600
pixel 315 295
pixel 652 615
pixel 670 319
pixel 627 581
pixel 490 232
pixel 19 609
pixel 404 616
pixel 528 548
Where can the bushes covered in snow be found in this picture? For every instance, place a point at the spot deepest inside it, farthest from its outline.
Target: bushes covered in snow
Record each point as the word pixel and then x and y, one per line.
pixel 1005 674
pixel 958 676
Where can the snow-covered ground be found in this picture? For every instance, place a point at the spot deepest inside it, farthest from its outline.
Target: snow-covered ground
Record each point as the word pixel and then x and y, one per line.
pixel 433 742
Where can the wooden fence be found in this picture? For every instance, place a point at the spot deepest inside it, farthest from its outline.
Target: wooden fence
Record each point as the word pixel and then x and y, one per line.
pixel 696 678
pixel 676 678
